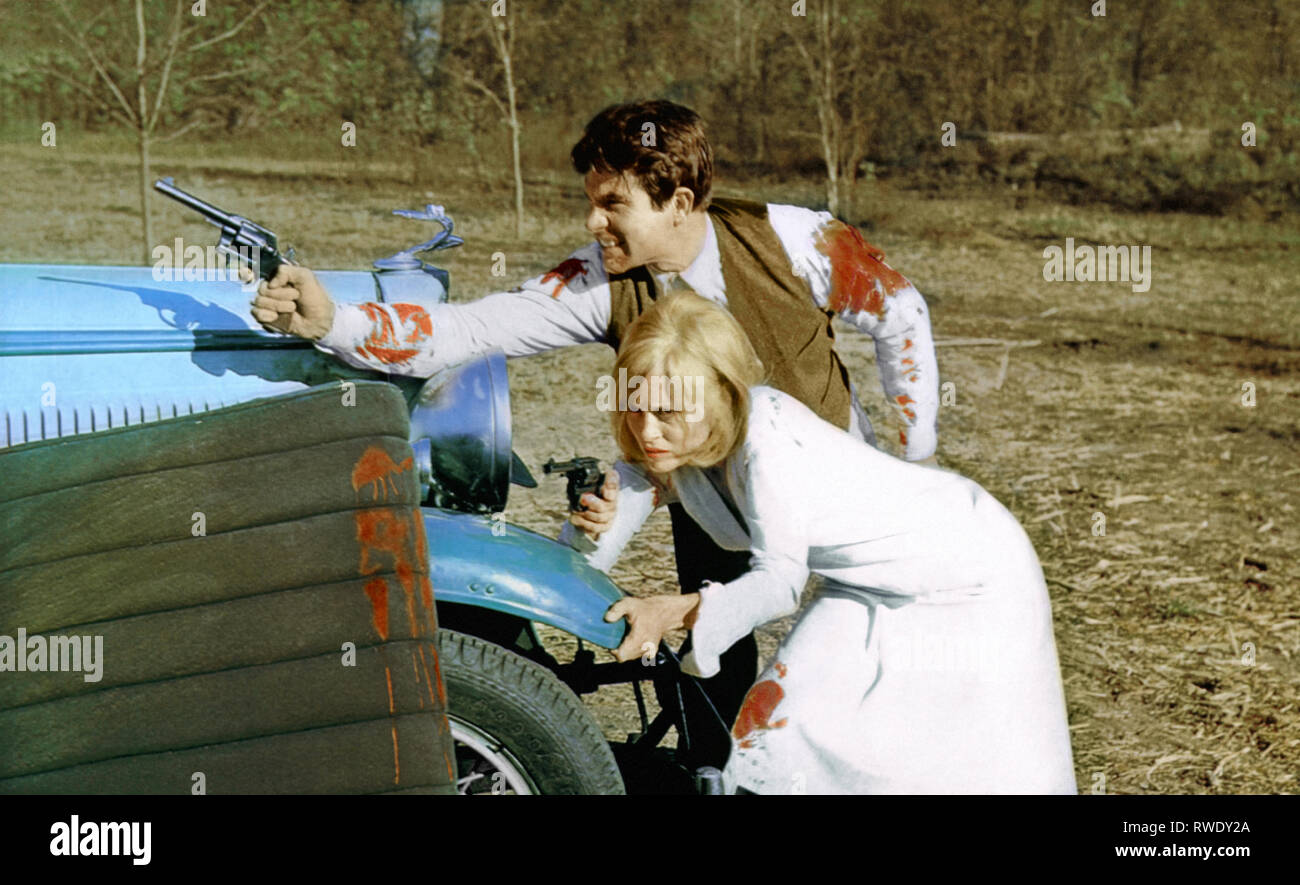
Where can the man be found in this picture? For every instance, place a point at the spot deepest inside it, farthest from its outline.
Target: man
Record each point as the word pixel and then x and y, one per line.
pixel 784 272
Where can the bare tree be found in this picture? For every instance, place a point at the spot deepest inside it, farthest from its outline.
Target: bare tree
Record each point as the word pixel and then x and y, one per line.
pixel 498 23
pixel 840 70
pixel 137 94
pixel 737 69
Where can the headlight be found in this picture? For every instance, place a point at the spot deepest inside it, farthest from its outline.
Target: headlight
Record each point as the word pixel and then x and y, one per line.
pixel 460 429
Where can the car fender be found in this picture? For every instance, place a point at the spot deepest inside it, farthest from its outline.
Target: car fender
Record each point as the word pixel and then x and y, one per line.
pixel 486 562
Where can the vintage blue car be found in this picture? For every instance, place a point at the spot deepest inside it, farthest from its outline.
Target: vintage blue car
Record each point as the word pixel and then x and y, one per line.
pixel 90 348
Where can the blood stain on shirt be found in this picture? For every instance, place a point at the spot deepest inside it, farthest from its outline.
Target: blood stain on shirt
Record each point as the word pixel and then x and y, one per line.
pixel 860 279
pixel 421 327
pixel 757 710
pixel 384 343
pixel 566 271
pixel 903 401
pixel 907 344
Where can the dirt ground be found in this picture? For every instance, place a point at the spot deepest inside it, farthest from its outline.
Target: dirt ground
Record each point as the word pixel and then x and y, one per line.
pixel 1173 413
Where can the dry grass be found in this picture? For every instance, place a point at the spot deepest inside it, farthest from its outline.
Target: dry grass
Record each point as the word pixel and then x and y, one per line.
pixel 1178 629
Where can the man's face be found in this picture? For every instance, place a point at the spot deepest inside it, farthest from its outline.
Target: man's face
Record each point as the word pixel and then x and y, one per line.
pixel 630 230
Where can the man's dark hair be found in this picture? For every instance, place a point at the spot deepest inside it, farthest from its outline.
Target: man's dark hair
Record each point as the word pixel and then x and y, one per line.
pixel 673 153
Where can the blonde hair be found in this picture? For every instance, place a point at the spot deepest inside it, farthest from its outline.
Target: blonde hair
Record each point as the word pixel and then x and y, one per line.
pixel 683 335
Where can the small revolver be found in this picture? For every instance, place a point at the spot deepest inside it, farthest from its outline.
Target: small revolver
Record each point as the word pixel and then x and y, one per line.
pixel 584 475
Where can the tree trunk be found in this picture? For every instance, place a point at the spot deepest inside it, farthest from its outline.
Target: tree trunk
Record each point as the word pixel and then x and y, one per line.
pixel 504 41
pixel 851 194
pixel 145 190
pixel 827 111
pixel 830 137
pixel 514 149
pixel 141 56
pixel 758 77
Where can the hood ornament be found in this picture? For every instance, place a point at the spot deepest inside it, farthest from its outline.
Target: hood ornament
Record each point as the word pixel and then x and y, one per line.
pixel 406 260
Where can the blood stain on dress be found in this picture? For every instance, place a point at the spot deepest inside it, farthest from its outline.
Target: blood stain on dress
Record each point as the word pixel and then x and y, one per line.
pixel 756 712
pixel 860 279
pixel 566 271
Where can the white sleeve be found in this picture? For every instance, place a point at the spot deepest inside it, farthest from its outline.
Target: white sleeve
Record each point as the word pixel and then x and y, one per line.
pixel 778 566
pixel 849 276
pixel 638 496
pixel 564 306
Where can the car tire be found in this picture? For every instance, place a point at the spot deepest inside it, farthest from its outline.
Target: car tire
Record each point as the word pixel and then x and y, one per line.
pixel 519 729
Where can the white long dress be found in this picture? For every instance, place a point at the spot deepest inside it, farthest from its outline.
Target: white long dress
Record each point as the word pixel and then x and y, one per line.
pixel 926 665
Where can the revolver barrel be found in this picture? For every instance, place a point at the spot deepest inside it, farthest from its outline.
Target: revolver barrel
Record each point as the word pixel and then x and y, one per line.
pixel 207 210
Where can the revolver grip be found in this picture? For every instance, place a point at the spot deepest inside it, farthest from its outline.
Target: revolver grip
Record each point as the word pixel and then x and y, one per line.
pixel 578 488
pixel 268 263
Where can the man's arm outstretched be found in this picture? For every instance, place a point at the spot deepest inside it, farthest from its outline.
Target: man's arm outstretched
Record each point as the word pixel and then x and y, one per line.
pixel 567 305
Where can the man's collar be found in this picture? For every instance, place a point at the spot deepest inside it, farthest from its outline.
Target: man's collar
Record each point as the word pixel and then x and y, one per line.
pixel 708 257
pixel 702 268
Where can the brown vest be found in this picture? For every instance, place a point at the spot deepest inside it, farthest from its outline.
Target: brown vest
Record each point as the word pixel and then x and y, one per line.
pixel 790 334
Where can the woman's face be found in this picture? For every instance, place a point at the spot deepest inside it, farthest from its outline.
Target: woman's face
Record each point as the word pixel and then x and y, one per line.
pixel 666 438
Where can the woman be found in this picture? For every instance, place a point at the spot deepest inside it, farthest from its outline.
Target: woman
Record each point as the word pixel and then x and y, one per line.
pixel 926 664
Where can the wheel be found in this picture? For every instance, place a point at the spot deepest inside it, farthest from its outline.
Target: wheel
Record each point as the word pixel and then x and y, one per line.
pixel 517 728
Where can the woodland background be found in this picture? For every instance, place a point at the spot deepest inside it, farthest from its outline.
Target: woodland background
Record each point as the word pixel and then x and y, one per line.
pixel 1173 413
pixel 1136 108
